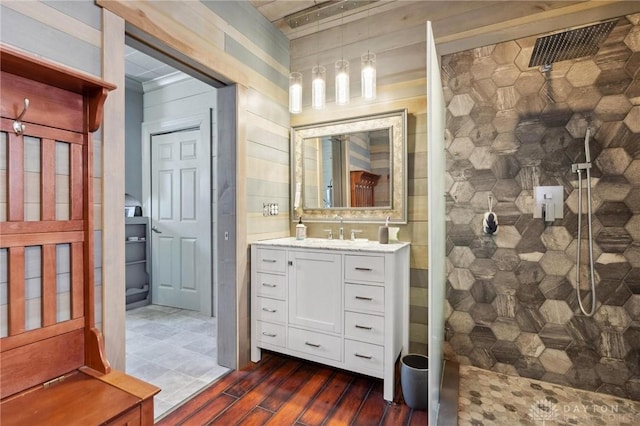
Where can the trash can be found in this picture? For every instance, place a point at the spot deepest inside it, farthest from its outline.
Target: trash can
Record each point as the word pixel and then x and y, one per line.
pixel 414 378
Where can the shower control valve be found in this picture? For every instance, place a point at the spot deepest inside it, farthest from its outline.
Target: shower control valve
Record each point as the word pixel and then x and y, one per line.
pixel 548 202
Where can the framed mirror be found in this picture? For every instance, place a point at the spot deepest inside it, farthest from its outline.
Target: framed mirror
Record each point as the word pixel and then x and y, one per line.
pixel 354 168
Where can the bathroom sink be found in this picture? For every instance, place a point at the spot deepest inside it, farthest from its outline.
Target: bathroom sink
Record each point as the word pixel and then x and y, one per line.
pixel 359 244
pixel 335 243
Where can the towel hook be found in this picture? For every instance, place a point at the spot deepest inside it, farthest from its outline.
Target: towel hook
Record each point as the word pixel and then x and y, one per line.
pixel 18 127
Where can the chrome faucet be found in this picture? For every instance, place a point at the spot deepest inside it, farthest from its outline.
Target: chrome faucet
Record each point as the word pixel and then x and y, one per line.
pixel 341 231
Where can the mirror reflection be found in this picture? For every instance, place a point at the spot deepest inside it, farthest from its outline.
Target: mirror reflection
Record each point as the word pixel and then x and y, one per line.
pixel 348 170
pixel 355 168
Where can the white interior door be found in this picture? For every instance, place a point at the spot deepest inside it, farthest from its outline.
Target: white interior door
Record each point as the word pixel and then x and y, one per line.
pixel 437 236
pixel 180 219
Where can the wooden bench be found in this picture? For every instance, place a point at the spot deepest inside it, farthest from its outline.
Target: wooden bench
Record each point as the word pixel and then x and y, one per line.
pixel 53 368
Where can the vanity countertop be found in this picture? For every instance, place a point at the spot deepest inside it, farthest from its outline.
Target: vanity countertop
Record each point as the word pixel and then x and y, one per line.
pixel 326 244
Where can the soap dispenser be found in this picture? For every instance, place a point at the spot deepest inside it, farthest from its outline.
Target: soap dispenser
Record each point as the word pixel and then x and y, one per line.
pixel 383 232
pixel 301 230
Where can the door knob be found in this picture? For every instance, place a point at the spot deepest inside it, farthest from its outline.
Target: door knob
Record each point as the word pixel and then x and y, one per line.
pixel 156 230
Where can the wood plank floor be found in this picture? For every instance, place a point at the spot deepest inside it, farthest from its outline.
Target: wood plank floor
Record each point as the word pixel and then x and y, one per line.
pixel 286 391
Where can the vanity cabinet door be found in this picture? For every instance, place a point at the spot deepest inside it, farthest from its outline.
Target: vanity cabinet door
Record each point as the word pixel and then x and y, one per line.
pixel 315 290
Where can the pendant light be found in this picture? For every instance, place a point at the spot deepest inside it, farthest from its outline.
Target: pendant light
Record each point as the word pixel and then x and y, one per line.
pixel 295 87
pixel 368 70
pixel 295 93
pixel 318 86
pixel 368 76
pixel 342 72
pixel 342 82
pixel 318 79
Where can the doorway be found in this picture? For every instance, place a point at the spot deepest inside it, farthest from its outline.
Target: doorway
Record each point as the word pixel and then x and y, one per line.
pixel 171 170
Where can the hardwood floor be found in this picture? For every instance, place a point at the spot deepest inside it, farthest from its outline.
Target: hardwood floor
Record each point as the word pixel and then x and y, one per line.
pixel 286 391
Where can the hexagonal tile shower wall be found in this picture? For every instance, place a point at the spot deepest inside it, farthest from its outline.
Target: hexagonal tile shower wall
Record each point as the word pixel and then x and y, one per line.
pixel 511 297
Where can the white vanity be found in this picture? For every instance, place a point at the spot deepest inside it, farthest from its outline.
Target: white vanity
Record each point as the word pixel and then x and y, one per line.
pixel 339 303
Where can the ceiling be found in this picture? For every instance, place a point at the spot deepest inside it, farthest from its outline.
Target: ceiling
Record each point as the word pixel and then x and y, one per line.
pixel 457 24
pixel 143 68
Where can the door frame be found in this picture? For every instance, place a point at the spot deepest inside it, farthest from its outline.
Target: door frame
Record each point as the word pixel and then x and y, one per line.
pixel 151 128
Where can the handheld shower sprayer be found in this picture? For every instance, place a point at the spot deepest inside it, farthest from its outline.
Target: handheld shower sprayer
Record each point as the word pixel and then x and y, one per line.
pixel 578 168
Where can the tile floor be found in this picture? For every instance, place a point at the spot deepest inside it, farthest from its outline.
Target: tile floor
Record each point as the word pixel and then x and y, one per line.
pixel 174 349
pixel 488 398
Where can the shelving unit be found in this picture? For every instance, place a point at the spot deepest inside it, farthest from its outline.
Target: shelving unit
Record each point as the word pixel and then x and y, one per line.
pixel 138 278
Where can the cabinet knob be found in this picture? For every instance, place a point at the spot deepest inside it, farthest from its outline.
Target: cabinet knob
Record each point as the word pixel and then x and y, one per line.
pixel 313 345
pixel 269 334
pixel 364 298
pixel 269 310
pixel 363 327
pixel 363 269
pixel 290 263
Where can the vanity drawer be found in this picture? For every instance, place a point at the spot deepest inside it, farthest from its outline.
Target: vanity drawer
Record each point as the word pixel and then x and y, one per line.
pixel 317 344
pixel 271 285
pixel 364 297
pixel 369 328
pixel 363 357
pixel 364 268
pixel 271 310
pixel 271 260
pixel 273 334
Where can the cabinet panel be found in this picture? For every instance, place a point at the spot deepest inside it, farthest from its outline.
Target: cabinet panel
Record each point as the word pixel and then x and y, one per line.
pixel 364 298
pixel 271 260
pixel 273 334
pixel 271 310
pixel 271 285
pixel 317 344
pixel 315 291
pixel 364 268
pixel 363 357
pixel 369 328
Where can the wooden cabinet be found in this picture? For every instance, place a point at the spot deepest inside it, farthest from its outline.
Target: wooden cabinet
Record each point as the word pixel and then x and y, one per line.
pixel 53 368
pixel 138 284
pixel 344 305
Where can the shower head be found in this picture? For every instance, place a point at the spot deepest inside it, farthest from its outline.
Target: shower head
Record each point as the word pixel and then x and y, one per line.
pixel 570 44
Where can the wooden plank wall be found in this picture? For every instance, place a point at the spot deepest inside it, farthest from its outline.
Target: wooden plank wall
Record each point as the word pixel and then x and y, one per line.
pixel 68 33
pixel 113 273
